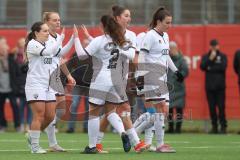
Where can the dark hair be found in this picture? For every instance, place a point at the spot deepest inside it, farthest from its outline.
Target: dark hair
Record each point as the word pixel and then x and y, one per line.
pixel 112 28
pixel 159 14
pixel 214 42
pixel 36 27
pixel 117 10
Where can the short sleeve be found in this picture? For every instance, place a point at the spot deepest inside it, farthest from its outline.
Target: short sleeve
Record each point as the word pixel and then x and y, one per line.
pixel 134 41
pixel 35 48
pixel 139 40
pixel 93 46
pixel 147 42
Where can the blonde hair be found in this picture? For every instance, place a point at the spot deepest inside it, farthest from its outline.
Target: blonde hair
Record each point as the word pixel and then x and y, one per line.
pixel 46 16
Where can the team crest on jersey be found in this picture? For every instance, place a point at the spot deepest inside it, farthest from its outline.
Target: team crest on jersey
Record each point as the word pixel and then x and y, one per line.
pixel 35 96
pixel 160 41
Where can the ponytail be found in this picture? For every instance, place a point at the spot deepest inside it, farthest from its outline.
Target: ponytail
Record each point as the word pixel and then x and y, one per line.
pixel 113 29
pixel 159 14
pixel 36 27
pixel 29 37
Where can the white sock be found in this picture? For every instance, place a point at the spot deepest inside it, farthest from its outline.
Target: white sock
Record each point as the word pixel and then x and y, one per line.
pixel 50 130
pixel 146 123
pixel 100 137
pixel 148 135
pixel 34 135
pixel 93 131
pixel 116 122
pixel 132 134
pixel 140 119
pixel 159 128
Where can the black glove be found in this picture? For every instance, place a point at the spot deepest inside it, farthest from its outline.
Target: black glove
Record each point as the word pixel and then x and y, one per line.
pixel 24 68
pixel 179 75
pixel 140 82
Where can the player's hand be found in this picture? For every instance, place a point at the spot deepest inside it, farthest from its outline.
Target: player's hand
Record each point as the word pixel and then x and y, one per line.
pixel 180 77
pixel 140 82
pixel 71 80
pixel 75 31
pixel 85 32
pixel 213 54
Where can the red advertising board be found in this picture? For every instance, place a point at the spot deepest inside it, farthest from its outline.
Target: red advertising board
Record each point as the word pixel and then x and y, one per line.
pixel 193 42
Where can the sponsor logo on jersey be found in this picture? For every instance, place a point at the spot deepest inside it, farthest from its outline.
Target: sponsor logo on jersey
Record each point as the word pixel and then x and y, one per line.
pixel 47 60
pixel 165 52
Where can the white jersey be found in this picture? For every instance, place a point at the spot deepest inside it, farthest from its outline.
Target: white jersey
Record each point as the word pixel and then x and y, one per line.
pixel 51 41
pixel 55 82
pixel 131 37
pixel 105 58
pixel 39 66
pixel 157 48
pixel 107 81
pixel 140 38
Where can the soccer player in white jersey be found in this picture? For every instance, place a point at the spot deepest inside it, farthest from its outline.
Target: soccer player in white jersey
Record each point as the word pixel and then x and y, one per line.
pixel 123 17
pixel 142 122
pixel 155 49
pixel 107 87
pixel 52 19
pixel 38 93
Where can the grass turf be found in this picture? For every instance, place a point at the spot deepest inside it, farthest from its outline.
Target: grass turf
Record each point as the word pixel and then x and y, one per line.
pixel 13 146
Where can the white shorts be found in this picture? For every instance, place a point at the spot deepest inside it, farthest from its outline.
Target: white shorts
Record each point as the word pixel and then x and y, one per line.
pixel 156 93
pixel 39 95
pixel 100 94
pixel 56 83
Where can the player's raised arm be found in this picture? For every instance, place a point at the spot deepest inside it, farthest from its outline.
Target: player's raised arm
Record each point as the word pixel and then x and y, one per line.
pixel 78 47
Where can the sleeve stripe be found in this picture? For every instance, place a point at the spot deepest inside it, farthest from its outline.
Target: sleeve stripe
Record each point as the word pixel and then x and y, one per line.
pixel 144 50
pixel 42 51
pixel 86 52
pixel 59 50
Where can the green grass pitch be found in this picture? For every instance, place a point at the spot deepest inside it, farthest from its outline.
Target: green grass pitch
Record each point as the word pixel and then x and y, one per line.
pixel 13 146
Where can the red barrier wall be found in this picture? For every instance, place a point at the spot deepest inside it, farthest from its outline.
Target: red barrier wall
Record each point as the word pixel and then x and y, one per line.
pixel 193 41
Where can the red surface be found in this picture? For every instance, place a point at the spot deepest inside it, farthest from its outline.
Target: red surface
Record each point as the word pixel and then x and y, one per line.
pixel 193 41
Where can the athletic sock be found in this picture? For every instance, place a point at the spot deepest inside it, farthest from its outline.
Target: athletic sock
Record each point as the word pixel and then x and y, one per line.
pixel 116 122
pixel 50 130
pixel 140 119
pixel 93 131
pixel 159 128
pixel 100 137
pixel 132 134
pixel 34 136
pixel 148 135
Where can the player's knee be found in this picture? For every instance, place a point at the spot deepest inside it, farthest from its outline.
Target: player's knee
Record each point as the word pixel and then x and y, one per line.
pixel 49 117
pixel 123 108
pixel 39 118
